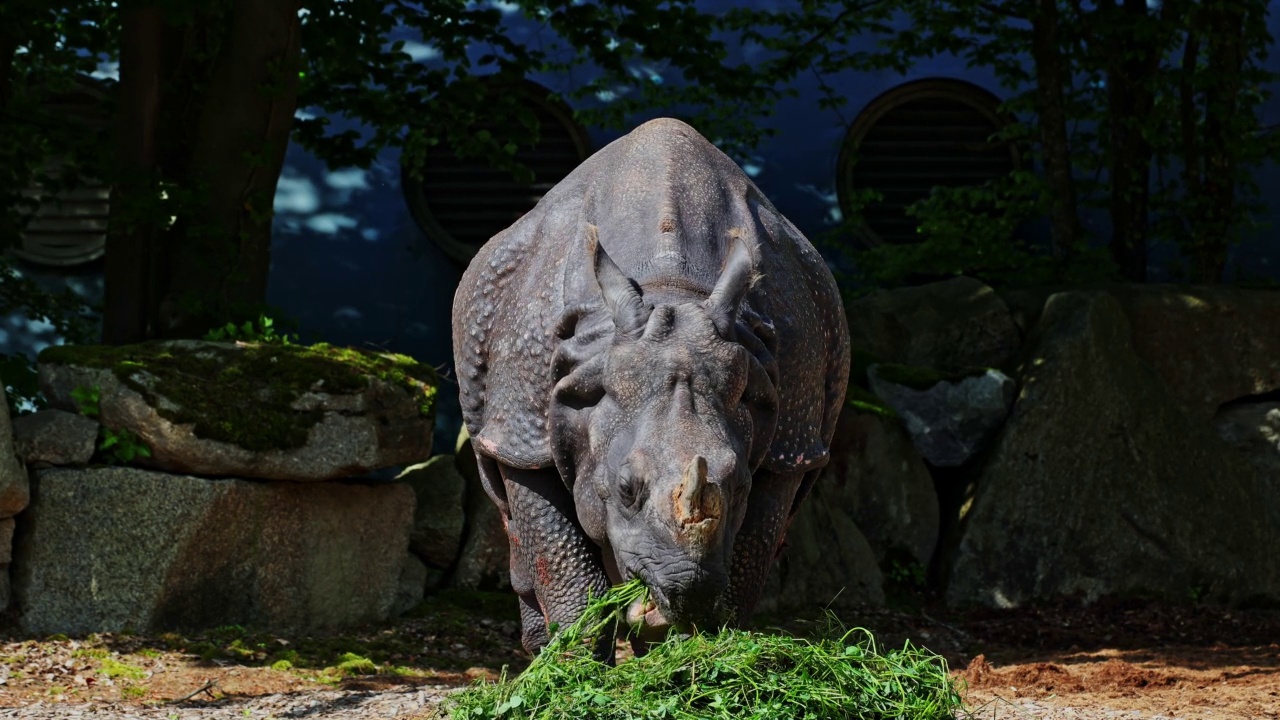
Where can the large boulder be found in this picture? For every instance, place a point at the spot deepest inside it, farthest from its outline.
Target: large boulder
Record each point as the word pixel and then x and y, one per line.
pixel 1101 483
pixel 1253 429
pixel 6 540
pixel 484 562
pixel 14 490
pixel 106 549
pixel 950 326
pixel 55 437
pixel 950 419
pixel 877 478
pixel 873 506
pixel 1210 345
pixel 440 517
pixel 6 554
pixel 412 587
pixel 270 411
pixel 826 562
pixel 14 495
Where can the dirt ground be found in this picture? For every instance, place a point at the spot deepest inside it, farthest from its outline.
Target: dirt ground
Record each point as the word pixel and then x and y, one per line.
pixel 1110 660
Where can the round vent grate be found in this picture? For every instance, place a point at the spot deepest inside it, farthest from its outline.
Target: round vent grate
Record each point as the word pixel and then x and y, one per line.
pixel 70 227
pixel 462 202
pixel 922 134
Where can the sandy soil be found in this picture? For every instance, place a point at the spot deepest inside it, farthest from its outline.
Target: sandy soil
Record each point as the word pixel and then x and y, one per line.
pixel 1114 659
pixel 1111 660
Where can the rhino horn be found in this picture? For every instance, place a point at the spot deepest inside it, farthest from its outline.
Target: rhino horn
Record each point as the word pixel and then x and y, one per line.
pixel 698 504
pixel 737 276
pixel 629 310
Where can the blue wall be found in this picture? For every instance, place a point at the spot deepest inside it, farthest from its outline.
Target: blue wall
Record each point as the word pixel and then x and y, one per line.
pixel 351 266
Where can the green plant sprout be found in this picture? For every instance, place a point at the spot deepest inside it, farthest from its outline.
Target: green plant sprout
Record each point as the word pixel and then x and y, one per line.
pixel 262 330
pixel 87 400
pixel 115 446
pixel 729 674
pixel 122 446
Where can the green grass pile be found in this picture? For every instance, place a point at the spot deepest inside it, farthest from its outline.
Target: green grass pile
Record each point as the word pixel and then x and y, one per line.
pixel 731 674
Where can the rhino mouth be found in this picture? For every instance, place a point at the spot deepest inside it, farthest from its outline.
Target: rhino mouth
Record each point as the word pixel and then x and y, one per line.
pixel 647 619
pixel 652 618
pixel 646 613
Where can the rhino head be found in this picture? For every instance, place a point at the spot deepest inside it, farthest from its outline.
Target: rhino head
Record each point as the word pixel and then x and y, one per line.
pixel 657 427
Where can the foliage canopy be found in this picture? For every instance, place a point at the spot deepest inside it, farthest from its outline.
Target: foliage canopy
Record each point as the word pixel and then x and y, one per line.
pixel 1148 113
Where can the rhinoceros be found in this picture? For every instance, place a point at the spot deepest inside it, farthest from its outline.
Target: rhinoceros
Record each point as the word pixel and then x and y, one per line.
pixel 651 363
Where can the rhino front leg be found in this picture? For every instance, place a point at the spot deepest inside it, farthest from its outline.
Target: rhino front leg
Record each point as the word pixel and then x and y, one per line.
pixel 772 504
pixel 554 565
pixel 533 625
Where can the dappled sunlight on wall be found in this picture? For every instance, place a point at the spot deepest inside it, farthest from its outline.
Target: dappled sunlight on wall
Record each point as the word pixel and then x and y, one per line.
pixel 19 333
pixel 351 267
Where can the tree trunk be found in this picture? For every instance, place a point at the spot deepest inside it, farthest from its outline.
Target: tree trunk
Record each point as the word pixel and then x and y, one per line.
pixel 133 234
pixel 220 261
pixel 1130 181
pixel 8 47
pixel 1225 55
pixel 1188 115
pixel 205 111
pixel 1046 51
pixel 1130 101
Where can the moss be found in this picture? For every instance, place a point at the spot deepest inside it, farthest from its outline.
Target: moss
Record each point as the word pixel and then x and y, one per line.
pixel 246 650
pixel 864 400
pixel 172 640
pixel 922 378
pixel 227 633
pixel 288 657
pixel 353 664
pixel 116 669
pixel 204 650
pixel 242 394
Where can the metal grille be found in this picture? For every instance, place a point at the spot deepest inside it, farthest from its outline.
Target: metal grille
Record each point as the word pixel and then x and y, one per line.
pixel 916 137
pixel 462 202
pixel 69 227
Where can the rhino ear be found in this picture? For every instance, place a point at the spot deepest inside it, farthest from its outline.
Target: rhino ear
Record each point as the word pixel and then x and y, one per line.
pixel 620 295
pixel 737 276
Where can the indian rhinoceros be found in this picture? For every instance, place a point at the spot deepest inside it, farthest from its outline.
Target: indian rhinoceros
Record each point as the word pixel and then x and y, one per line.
pixel 651 364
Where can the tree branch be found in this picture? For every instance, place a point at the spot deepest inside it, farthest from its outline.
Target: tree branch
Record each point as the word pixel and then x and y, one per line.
pixel 797 53
pixel 1000 10
pixel 1187 113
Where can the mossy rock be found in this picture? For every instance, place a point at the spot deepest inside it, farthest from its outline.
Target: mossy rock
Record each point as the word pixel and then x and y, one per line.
pixel 255 396
pixel 859 361
pixel 863 400
pixel 922 378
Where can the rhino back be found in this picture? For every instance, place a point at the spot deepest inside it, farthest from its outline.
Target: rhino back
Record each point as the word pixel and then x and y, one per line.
pixel 504 313
pixel 799 296
pixel 665 202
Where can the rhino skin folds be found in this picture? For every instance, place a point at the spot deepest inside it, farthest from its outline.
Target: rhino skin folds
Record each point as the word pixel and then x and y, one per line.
pixel 651 363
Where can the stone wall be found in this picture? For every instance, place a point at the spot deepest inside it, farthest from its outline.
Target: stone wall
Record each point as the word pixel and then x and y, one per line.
pixel 1138 455
pixel 1006 448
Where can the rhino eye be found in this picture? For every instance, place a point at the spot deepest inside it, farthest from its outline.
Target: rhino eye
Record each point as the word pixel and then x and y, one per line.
pixel 629 486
